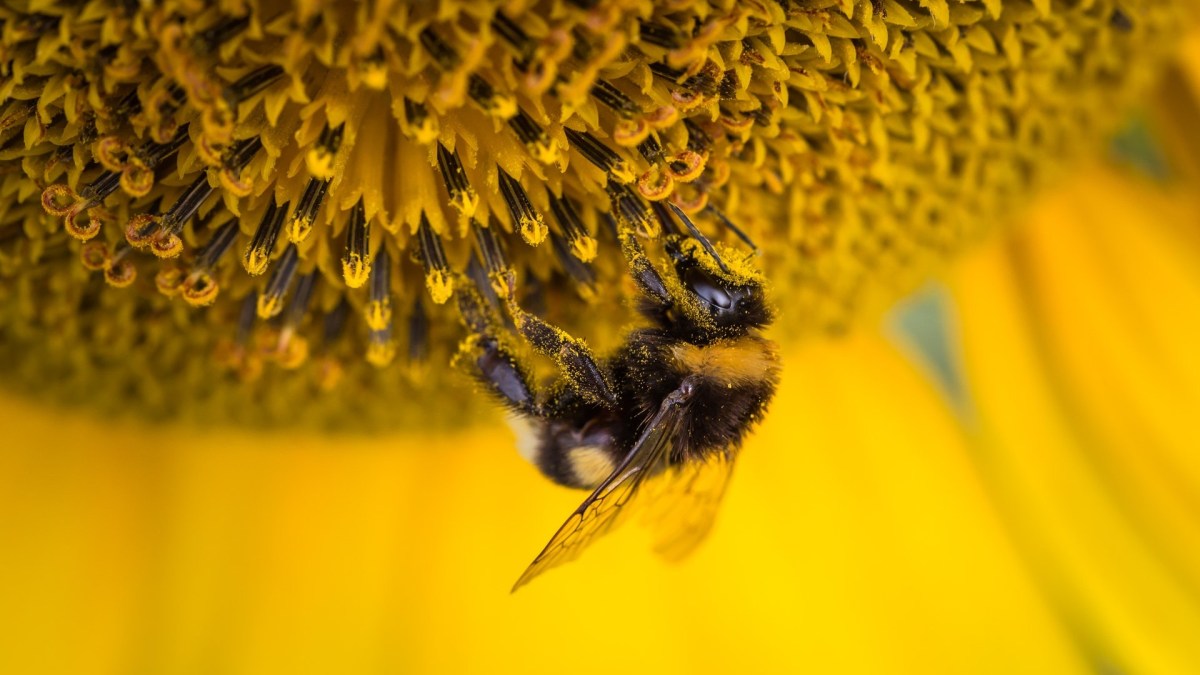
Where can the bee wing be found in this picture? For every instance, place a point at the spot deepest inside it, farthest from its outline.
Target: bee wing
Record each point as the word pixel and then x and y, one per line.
pixel 683 503
pixel 602 510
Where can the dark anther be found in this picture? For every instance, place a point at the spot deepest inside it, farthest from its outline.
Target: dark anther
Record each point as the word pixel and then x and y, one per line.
pixel 442 53
pixel 258 253
pixel 614 98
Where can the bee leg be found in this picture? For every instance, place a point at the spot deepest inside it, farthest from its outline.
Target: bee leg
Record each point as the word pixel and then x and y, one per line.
pixel 489 361
pixel 574 358
pixel 641 269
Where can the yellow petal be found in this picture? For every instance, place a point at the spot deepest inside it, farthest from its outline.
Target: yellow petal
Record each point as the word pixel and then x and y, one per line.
pixel 1078 342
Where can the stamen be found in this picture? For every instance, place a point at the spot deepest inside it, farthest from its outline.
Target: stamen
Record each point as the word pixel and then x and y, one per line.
pixel 573 266
pixel 418 334
pixel 686 166
pixel 418 124
pixel 651 150
pixel 496 105
pixel 462 196
pixel 247 364
pixel 230 175
pixel 186 205
pixel 610 224
pixel 373 69
pixel 335 323
pixel 629 208
pixel 94 255
pixel 729 85
pixel 525 219
pixel 536 141
pixel 129 105
pixel 663 117
pixel 656 184
pixel 479 278
pixel 600 155
pixel 154 154
pixel 301 223
pixel 381 348
pixel 695 232
pixel 1120 20
pixel 219 115
pixel 581 244
pixel 253 82
pixel 169 280
pixel 221 33
pixel 533 299
pixel 690 200
pixel 137 176
pixel 356 266
pixel 104 185
pixel 658 34
pixel 258 253
pixel 200 288
pixel 298 307
pixel 511 33
pixel 161 106
pixel 246 318
pixel 494 260
pixel 443 54
pixel 379 307
pixel 59 200
pixel 140 227
pixel 319 159
pixel 608 94
pixel 581 47
pixel 270 303
pixel 119 270
pixel 111 152
pixel 698 139
pixel 292 350
pixel 628 133
pixel 438 278
pixel 706 82
pixel 167 243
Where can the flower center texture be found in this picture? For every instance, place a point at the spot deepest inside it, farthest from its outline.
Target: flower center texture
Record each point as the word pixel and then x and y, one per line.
pixel 260 211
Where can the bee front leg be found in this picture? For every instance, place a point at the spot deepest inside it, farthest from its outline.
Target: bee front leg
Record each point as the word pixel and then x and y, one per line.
pixel 641 269
pixel 575 360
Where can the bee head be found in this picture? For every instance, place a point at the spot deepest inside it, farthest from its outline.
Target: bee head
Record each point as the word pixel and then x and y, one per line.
pixel 727 293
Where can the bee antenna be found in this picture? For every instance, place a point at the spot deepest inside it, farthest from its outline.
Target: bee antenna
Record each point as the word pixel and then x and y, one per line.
pixel 734 228
pixel 687 222
pixel 664 217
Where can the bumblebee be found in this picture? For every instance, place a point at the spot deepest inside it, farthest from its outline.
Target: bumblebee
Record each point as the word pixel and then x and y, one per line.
pixel 664 415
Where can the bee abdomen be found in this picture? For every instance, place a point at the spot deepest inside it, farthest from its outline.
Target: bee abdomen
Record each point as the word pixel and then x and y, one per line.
pixel 578 458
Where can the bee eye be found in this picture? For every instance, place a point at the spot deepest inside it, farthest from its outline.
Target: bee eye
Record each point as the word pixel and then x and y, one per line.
pixel 702 285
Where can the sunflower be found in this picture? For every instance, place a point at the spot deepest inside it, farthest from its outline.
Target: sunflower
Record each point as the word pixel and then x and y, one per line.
pixel 262 212
pixel 287 194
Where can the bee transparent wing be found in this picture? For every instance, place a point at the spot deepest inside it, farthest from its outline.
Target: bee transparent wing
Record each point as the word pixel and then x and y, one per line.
pixel 682 504
pixel 604 508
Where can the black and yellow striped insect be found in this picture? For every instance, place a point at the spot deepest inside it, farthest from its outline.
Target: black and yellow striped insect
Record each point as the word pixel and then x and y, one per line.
pixel 663 417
